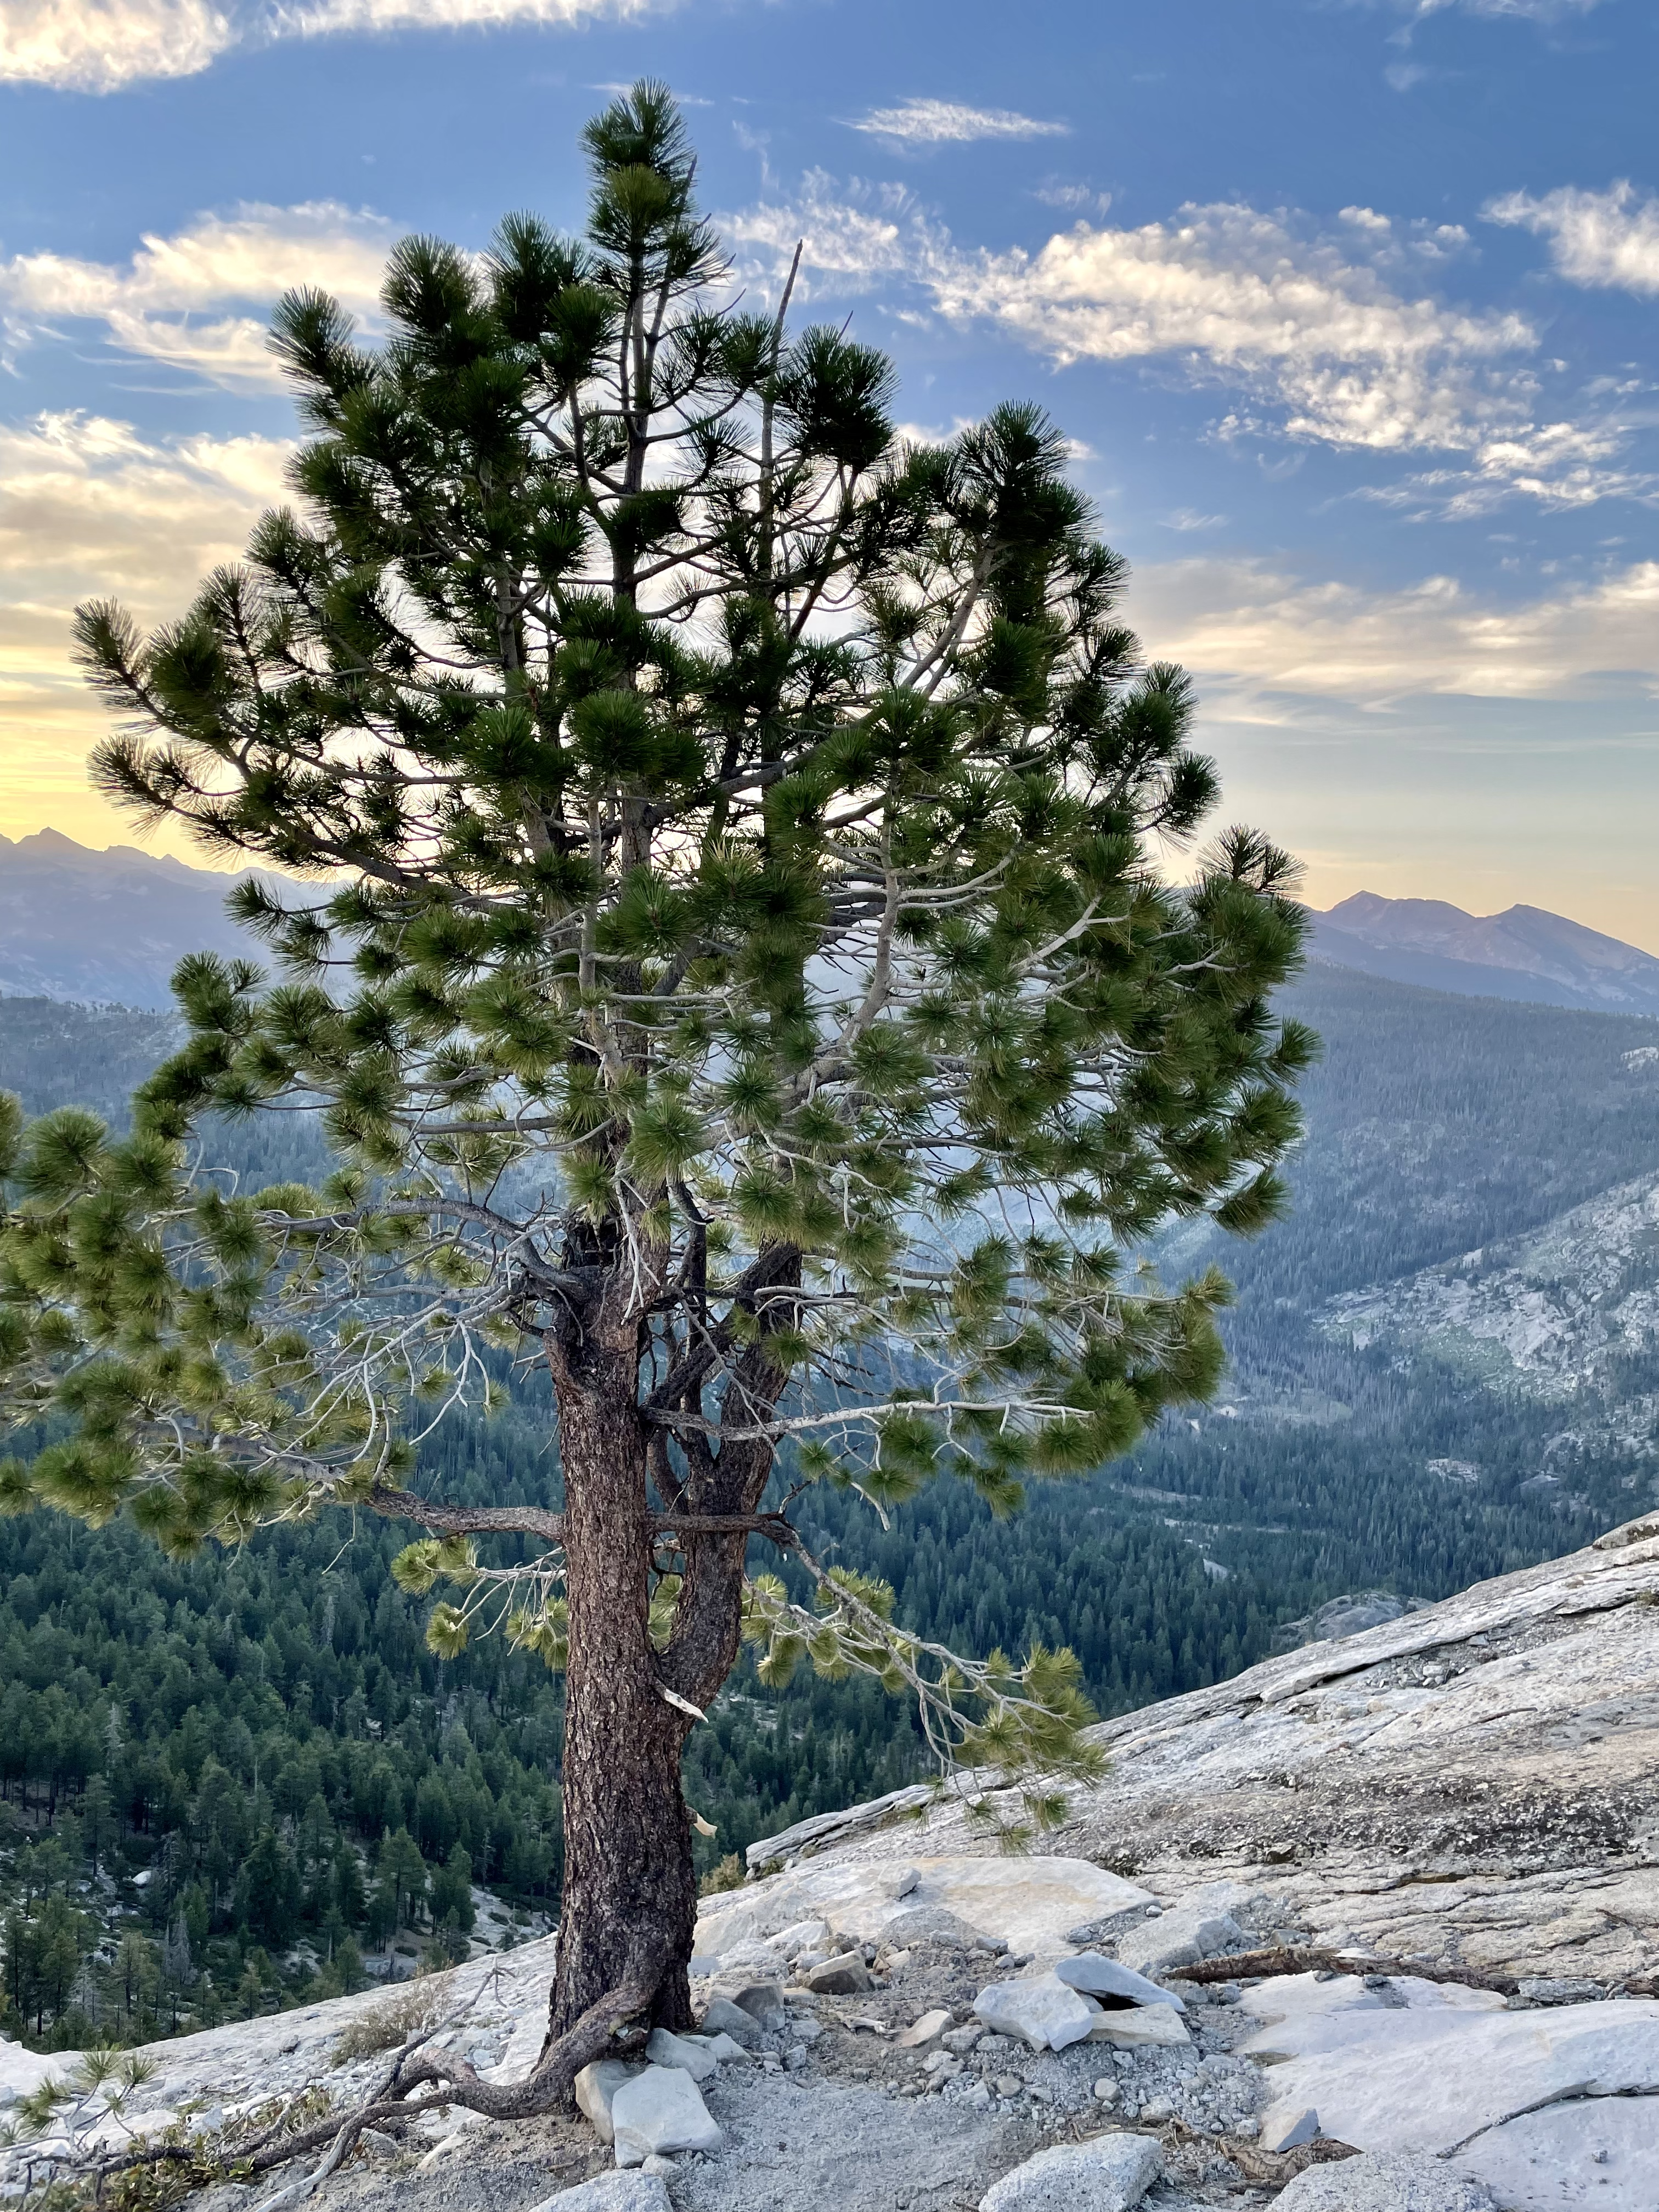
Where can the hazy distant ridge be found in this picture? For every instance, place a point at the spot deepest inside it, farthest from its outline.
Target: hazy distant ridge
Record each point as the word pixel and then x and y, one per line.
pixel 106 927
pixel 1525 953
pixel 110 928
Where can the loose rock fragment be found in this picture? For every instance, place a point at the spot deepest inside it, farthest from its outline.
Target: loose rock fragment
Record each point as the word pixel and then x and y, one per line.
pixel 596 2089
pixel 930 2024
pixel 1383 2181
pixel 661 2110
pixel 1141 2027
pixel 612 2192
pixel 1043 2014
pixel 1290 2131
pixel 1106 1978
pixel 721 2017
pixel 1112 2174
pixel 691 2056
pixel 843 1976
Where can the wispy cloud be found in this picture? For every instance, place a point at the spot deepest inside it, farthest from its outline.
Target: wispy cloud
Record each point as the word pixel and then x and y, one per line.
pixel 1314 339
pixel 1536 11
pixel 184 299
pixel 100 46
pixel 948 123
pixel 1609 239
pixel 1249 624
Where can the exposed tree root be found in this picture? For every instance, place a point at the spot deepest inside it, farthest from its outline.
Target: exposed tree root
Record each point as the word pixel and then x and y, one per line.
pixel 395 2105
pixel 1251 1965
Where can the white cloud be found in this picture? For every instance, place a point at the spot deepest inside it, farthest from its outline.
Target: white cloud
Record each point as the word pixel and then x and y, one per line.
pixel 99 45
pixel 1235 296
pixel 1609 239
pixel 1314 339
pixel 1244 626
pixel 96 45
pixel 175 300
pixel 90 508
pixel 1537 11
pixel 946 122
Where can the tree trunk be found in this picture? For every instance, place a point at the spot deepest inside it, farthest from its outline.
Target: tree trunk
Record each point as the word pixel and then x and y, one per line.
pixel 630 1891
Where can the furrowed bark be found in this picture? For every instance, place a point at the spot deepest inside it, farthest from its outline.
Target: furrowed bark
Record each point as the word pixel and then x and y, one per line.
pixel 630 1889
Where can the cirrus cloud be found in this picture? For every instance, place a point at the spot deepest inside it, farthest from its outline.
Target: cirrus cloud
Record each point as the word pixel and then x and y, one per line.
pixel 949 123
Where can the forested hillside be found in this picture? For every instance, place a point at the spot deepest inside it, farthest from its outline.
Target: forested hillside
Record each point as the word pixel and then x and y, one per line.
pixel 226 1781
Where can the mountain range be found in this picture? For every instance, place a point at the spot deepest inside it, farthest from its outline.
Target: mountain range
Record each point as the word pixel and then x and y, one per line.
pixel 1524 953
pixel 104 928
pixel 107 929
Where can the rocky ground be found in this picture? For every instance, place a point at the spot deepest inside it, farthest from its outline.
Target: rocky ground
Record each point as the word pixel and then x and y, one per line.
pixel 1465 1802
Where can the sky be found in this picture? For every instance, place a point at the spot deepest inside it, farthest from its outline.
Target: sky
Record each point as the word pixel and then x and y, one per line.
pixel 1348 307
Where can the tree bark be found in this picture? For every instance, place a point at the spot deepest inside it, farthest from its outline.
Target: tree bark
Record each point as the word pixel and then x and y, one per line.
pixel 628 1867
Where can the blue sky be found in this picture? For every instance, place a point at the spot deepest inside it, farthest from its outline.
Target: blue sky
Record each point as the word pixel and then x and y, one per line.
pixel 1350 309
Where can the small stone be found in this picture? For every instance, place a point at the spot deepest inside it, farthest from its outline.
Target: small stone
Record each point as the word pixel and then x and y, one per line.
pixel 1141 2027
pixel 1008 2085
pixel 925 2030
pixel 795 2058
pixel 721 2017
pixel 963 2039
pixel 657 2163
pixel 759 1999
pixel 843 1976
pixel 727 2050
pixel 901 1881
pixel 1111 2173
pixel 1107 2090
pixel 1290 2131
pixel 661 2110
pixel 596 2089
pixel 664 2048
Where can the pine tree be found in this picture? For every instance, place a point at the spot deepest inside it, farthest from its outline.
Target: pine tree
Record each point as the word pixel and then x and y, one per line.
pixel 737 964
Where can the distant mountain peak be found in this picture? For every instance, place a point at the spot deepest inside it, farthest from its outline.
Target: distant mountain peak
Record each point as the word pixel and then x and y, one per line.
pixel 1525 952
pixel 105 927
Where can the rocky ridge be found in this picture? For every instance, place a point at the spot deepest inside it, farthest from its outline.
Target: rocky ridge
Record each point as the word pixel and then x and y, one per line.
pixel 1372 1928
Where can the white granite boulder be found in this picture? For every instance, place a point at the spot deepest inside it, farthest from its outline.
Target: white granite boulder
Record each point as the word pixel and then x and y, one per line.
pixel 1043 2013
pixel 1110 2173
pixel 612 2192
pixel 1591 2151
pixel 596 2086
pixel 661 2111
pixel 1382 2181
pixel 1423 2077
pixel 1107 1977
pixel 1179 1938
pixel 1030 1903
pixel 1141 2027
pixel 691 2053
